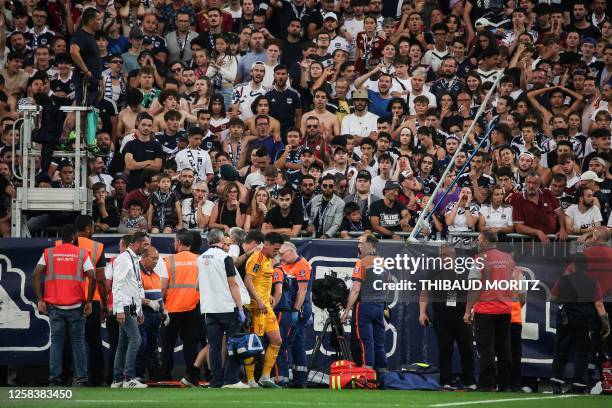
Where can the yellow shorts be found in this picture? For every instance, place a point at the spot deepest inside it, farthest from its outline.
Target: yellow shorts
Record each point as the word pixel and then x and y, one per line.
pixel 264 323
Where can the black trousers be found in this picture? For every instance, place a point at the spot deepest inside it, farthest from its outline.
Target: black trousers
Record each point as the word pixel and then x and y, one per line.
pixel 112 330
pixel 572 337
pixel 493 340
pixel 516 350
pixel 450 328
pixel 188 325
pixel 217 325
pixel 93 338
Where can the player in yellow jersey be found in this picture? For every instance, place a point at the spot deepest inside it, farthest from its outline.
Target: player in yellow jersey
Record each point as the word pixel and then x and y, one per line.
pixel 258 280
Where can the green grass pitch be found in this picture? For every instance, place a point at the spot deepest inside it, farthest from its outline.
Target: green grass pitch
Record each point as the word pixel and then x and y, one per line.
pixel 176 398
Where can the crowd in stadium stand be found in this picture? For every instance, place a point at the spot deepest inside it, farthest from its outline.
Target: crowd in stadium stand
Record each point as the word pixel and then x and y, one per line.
pixel 318 118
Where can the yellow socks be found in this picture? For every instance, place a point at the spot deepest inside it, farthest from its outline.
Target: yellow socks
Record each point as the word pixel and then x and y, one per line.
pixel 269 360
pixel 249 369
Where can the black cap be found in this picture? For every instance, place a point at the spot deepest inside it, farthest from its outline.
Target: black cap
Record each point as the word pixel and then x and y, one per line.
pixel 364 174
pixel 339 140
pixel 307 150
pixel 390 184
pixel 228 172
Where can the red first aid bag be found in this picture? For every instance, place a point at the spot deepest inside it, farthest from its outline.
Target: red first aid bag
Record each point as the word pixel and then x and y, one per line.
pixel 344 374
pixel 606 376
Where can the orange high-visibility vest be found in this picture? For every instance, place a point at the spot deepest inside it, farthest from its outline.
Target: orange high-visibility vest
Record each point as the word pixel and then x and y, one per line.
pixel 64 276
pixel 94 249
pixel 182 294
pixel 516 315
pixel 151 283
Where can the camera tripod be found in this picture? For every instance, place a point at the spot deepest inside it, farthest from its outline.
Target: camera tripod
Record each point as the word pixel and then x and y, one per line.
pixel 338 339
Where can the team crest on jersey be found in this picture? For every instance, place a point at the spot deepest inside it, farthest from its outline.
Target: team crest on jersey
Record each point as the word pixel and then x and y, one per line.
pixel 289 101
pixel 302 273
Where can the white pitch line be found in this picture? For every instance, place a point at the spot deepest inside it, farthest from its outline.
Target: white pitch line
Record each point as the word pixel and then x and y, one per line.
pixel 492 401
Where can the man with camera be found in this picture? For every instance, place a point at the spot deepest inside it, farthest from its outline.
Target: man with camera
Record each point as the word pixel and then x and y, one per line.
pixel 127 304
pixel 368 322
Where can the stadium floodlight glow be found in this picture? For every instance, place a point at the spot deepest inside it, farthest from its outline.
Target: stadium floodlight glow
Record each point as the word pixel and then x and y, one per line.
pixel 424 213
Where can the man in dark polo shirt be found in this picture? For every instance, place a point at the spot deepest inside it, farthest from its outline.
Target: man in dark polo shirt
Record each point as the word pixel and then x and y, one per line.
pixel 537 212
pixel 285 102
pixel 285 218
pixel 86 56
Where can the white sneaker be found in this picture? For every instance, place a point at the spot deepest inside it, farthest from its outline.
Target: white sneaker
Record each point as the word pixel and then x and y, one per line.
pixel 134 383
pixel 238 386
pixel 117 384
pixel 253 384
pixel 187 383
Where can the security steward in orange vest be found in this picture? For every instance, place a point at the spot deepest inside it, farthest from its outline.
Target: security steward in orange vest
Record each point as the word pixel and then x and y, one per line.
pixel 99 311
pixel 368 323
pixel 490 310
pixel 516 348
pixel 152 306
pixel 65 267
pixel 181 301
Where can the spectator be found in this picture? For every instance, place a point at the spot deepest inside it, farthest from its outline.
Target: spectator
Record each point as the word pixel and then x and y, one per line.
pixel 388 216
pixel 197 209
pixel 150 181
pixel 495 215
pixel 536 212
pixel 195 158
pixel 353 221
pixel 285 218
pixel 326 211
pixel 583 217
pixel 462 215
pixel 228 211
pixel 164 211
pixel 361 123
pixel 104 211
pixel 134 220
pixel 260 204
pixel 142 153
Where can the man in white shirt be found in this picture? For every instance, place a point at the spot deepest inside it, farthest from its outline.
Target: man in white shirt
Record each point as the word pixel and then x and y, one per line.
pixel 361 123
pixel 385 163
pixel 434 57
pixel 584 217
pixel 127 305
pixel 246 93
pixel 417 81
pixel 194 158
pixel 221 300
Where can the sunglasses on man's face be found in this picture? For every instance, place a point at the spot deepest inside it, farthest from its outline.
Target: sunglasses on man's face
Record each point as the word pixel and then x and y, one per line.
pixel 327 186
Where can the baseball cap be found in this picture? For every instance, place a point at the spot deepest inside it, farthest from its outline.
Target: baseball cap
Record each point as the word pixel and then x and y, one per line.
pixel 590 175
pixel 364 174
pixel 228 172
pixel 120 177
pixel 136 33
pixel 589 40
pixel 388 21
pixel 360 94
pixel 525 153
pixel 258 63
pixel 389 185
pixel 331 15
